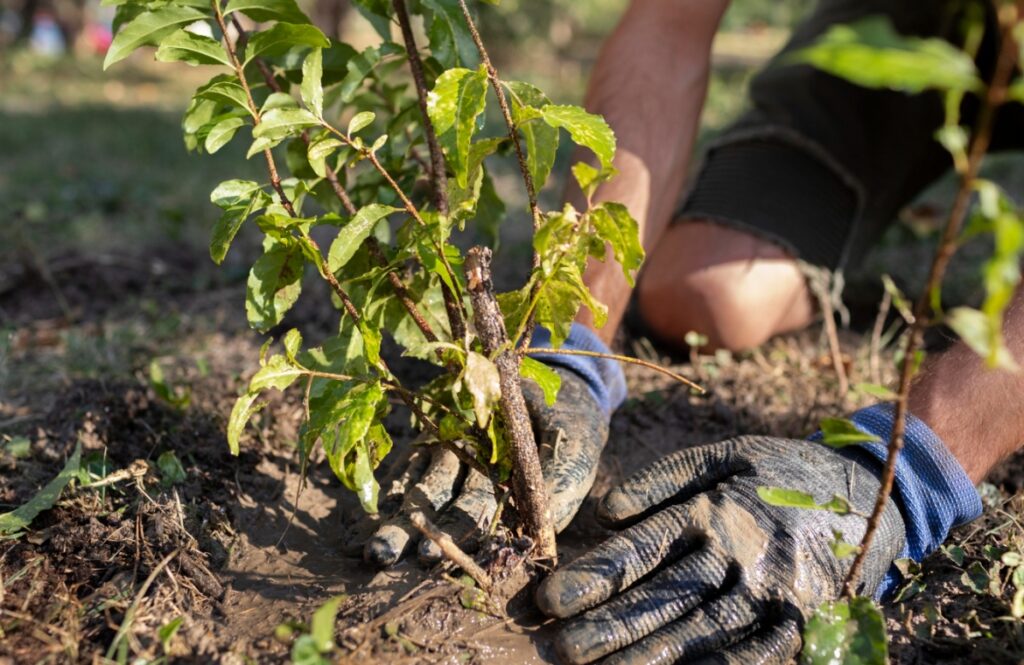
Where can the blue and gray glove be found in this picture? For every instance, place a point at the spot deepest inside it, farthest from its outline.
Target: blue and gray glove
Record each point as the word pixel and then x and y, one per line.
pixel 704 571
pixel 572 433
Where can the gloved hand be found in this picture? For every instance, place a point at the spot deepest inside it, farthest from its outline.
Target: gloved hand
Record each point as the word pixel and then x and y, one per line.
pixel 710 572
pixel 572 433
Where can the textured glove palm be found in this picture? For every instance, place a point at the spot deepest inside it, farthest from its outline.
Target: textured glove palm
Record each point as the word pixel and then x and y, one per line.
pixel 710 572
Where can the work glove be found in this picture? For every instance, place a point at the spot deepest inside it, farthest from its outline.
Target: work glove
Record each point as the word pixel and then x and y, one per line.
pixel 708 572
pixel 571 433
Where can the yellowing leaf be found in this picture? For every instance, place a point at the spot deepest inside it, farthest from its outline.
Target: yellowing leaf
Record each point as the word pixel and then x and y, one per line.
pixel 458 97
pixel 545 377
pixel 484 385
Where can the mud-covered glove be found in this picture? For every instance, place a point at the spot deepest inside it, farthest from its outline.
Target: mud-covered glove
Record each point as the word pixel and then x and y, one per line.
pixel 572 433
pixel 711 573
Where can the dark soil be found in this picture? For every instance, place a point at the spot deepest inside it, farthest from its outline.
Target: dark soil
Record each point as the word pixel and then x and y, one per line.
pixel 230 551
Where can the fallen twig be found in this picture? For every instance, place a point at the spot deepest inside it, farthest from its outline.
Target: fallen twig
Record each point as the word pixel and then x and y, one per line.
pixel 451 551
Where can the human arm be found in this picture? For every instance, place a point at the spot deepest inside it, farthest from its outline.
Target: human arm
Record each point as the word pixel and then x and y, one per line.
pixel 649 83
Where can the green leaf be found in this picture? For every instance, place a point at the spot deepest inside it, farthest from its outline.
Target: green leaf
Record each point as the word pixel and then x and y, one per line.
pixel 241 413
pixel 560 298
pixel 224 89
pixel 545 377
pixel 840 548
pixel 185 46
pixel 171 470
pixel 359 66
pixel 274 284
pixel 312 81
pixel 280 123
pixel 791 498
pixel 222 133
pixel 359 121
pixel 539 138
pixel 319 150
pixel 268 10
pixel 839 432
pixel 240 199
pixel 283 37
pixel 292 344
pixel 484 385
pixel 870 53
pixel 586 129
pixel 617 227
pixel 176 397
pixel 450 40
pixel 352 235
pixel 845 632
pixel 21 517
pixel 876 390
pixel 458 97
pixel 978 332
pixel 321 627
pixel 347 427
pixel 149 28
pixel 279 373
pixel 167 632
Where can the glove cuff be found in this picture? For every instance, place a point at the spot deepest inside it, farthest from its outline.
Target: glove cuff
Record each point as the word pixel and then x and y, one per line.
pixel 603 376
pixel 932 489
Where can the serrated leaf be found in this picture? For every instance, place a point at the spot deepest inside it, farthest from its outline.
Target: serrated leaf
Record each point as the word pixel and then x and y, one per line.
pixel 268 10
pixel 870 53
pixel 360 120
pixel 312 88
pixel 484 385
pixel 845 632
pixel 279 373
pixel 539 138
pixel 450 40
pixel 149 28
pixel 222 133
pixel 546 378
pixel 560 298
pixel 21 517
pixel 352 235
pixel 839 432
pixel 283 37
pixel 185 46
pixel 458 97
pixel 586 129
pixel 617 227
pixel 274 284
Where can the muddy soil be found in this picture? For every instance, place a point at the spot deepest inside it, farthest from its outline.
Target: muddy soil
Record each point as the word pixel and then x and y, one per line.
pixel 232 550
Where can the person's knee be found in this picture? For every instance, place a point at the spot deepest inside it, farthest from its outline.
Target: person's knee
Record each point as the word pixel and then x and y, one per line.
pixel 733 288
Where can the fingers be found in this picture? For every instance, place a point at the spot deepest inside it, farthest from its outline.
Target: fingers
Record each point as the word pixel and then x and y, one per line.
pixel 572 433
pixel 679 476
pixel 639 612
pixel 775 646
pixel 429 495
pixel 718 624
pixel 461 520
pixel 618 562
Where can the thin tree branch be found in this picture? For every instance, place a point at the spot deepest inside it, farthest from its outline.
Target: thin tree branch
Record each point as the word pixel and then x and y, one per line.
pixel 371 243
pixel 1009 14
pixel 614 356
pixel 874 356
pixel 438 172
pixel 451 551
pixel 527 481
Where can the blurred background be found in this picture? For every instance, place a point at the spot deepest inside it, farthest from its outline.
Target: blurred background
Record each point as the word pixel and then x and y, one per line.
pixel 105 217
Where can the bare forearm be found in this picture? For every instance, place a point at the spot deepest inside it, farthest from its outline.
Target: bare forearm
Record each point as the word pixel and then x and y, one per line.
pixel 978 412
pixel 649 84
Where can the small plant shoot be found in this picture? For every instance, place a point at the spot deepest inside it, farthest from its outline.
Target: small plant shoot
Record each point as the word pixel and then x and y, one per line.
pixel 386 151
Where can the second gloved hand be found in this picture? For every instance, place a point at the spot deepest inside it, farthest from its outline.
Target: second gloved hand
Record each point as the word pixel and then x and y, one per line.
pixel 571 433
